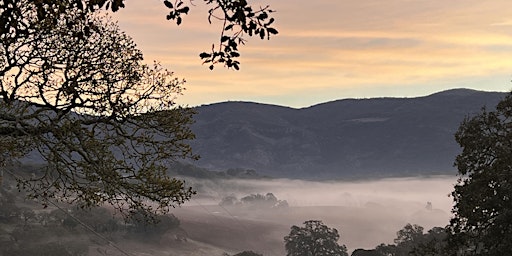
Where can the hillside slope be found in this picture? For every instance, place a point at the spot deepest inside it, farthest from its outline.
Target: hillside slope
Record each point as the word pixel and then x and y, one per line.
pixel 351 138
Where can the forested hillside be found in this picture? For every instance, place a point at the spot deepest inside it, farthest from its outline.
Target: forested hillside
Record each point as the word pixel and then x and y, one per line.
pixel 351 138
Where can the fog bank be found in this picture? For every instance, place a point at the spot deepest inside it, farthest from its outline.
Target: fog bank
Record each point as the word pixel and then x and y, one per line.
pixel 366 213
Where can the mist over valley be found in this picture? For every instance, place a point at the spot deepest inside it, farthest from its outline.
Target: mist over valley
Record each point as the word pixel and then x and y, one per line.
pixel 378 164
pixel 366 167
pixel 318 128
pixel 366 213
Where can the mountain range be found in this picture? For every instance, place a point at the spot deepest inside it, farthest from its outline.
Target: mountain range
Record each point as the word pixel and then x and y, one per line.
pixel 349 138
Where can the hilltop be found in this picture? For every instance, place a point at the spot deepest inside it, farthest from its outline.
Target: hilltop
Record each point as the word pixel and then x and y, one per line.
pixel 348 138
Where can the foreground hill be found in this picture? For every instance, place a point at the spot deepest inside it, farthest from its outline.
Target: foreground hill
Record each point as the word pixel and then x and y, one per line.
pixel 351 138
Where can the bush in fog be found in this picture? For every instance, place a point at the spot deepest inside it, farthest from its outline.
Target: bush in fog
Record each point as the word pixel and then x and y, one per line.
pixel 259 199
pixel 314 238
pixel 255 201
pixel 229 201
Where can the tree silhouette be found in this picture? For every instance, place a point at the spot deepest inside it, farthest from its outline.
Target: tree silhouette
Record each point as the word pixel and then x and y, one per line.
pixel 483 207
pixel 238 19
pixel 411 241
pixel 105 123
pixel 409 233
pixel 314 239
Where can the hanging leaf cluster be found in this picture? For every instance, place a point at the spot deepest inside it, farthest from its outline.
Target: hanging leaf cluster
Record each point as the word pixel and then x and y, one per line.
pixel 238 19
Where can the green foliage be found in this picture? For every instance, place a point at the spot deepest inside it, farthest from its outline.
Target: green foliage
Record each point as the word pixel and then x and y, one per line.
pixel 483 207
pixel 314 239
pixel 105 123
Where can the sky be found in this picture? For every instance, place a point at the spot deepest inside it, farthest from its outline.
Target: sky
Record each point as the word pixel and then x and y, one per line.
pixel 335 49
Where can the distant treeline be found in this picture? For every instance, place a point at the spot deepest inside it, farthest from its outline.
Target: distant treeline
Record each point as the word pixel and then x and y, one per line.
pixel 254 201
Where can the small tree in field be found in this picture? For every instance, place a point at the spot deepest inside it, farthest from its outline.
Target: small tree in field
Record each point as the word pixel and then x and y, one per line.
pixel 314 239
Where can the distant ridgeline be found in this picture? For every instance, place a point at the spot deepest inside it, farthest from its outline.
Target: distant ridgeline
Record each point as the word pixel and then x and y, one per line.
pixel 351 138
pixel 343 139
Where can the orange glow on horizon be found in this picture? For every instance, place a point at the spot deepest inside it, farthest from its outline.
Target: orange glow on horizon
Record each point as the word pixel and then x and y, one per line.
pixel 336 50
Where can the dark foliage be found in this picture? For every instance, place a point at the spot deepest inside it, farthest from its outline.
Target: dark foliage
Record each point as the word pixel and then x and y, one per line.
pixel 238 19
pixel 483 206
pixel 314 239
pixel 247 253
pixel 412 241
pixel 8 208
pixel 363 252
pixel 255 201
pixel 149 231
pixel 49 249
pixel 104 123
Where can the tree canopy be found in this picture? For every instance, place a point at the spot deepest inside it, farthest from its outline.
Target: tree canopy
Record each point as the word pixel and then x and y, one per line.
pixel 105 123
pixel 314 239
pixel 75 92
pixel 408 234
pixel 238 19
pixel 483 207
pixel 411 241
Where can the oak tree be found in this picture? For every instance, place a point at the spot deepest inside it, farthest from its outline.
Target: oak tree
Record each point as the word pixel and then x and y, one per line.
pixel 409 233
pixel 105 124
pixel 411 241
pixel 314 239
pixel 483 207
pixel 238 20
